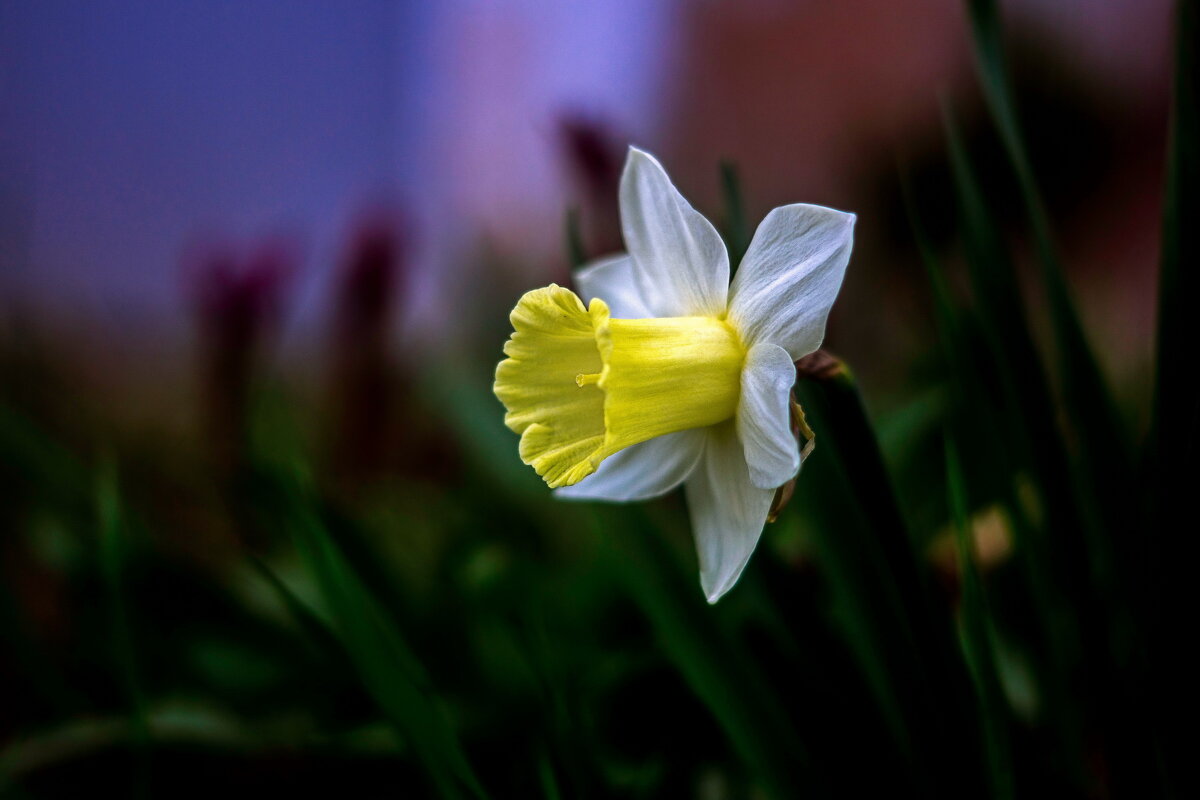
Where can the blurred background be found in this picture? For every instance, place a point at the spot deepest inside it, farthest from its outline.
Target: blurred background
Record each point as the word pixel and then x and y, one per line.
pixel 261 526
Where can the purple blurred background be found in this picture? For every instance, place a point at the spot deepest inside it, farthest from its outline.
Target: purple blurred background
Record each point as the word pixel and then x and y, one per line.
pixel 133 132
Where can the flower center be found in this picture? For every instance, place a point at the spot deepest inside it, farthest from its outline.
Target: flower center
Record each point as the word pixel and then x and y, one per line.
pixel 579 386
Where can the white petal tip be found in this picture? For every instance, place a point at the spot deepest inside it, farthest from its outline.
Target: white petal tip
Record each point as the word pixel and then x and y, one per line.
pixel 637 156
pixel 832 216
pixel 717 587
pixel 638 160
pixel 716 593
pixel 849 219
pixel 711 596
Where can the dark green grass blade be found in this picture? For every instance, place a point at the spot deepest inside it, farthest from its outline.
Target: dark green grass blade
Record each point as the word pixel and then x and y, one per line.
pixel 1176 422
pixel 1061 559
pixel 970 383
pixel 855 441
pixel 737 234
pixel 388 669
pixel 576 251
pixel 1103 469
pixel 711 661
pixel 114 534
pixel 1176 408
pixel 945 317
pixel 904 643
pixel 1105 462
pixel 317 635
pixel 987 402
pixel 1081 374
pixel 976 638
pixel 42 464
pixel 1005 388
pixel 546 777
pixel 34 468
pixel 1077 553
pixel 1026 393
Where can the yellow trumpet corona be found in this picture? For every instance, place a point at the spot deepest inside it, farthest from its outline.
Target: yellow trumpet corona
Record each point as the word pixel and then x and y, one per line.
pixel 580 386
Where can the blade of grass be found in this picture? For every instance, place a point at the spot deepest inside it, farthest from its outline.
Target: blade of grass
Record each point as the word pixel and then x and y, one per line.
pixel 1075 355
pixel 1175 435
pixel 547 780
pixel 863 601
pixel 1002 313
pixel 976 637
pixel 389 670
pixel 113 556
pixel 945 317
pixel 737 235
pixel 1176 406
pixel 865 543
pixel 317 634
pixel 1105 460
pixel 988 415
pixel 45 464
pixel 711 662
pixel 566 745
pixel 38 469
pixel 973 375
pixel 1103 471
pixel 576 251
pixel 853 437
pixel 1060 579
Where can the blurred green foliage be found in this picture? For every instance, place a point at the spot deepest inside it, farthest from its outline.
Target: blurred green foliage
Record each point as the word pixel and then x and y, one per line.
pixel 174 622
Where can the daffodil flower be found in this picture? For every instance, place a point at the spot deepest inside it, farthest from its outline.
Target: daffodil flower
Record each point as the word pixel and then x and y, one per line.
pixel 671 375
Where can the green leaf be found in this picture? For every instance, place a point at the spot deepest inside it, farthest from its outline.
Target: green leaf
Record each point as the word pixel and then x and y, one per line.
pixel 1176 405
pixel 547 780
pixel 576 251
pixel 1175 437
pixel 317 634
pixel 43 463
pixel 737 235
pixel 976 637
pixel 729 683
pixel 388 669
pixel 1105 458
pixel 113 530
pixel 1058 558
pixel 945 315
pixel 985 418
pixel 1026 401
pixel 901 641
pixel 854 439
pixel 1102 470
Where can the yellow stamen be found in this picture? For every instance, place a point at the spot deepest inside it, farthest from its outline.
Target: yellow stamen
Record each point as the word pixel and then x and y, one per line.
pixel 579 386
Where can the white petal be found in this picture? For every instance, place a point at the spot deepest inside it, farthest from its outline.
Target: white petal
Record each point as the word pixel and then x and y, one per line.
pixel 790 277
pixel 728 512
pixel 763 416
pixel 611 279
pixel 679 260
pixel 642 471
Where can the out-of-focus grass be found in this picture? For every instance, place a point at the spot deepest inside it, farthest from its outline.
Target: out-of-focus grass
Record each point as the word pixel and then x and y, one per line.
pixel 175 623
pixel 977 636
pixel 1160 586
